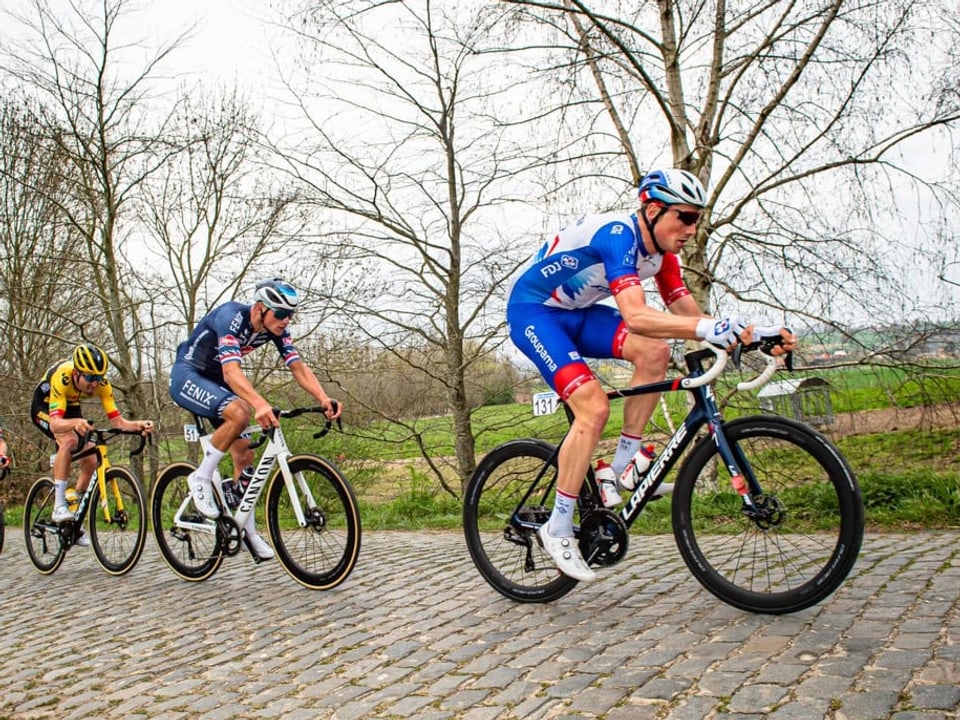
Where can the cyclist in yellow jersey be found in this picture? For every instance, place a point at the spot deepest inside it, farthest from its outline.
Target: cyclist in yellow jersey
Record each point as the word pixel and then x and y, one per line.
pixel 56 411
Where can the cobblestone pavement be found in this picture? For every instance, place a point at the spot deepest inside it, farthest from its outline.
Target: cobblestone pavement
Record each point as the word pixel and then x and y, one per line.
pixel 416 633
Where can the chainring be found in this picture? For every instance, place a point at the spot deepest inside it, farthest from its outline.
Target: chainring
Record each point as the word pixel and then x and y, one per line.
pixel 603 537
pixel 228 535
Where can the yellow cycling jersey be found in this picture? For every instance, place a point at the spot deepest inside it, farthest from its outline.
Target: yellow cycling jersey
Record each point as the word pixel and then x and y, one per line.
pixel 62 393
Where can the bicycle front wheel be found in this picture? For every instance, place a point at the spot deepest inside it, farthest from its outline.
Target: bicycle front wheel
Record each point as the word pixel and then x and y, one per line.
pixel 508 496
pixel 798 543
pixel 118 541
pixel 42 535
pixel 323 552
pixel 187 547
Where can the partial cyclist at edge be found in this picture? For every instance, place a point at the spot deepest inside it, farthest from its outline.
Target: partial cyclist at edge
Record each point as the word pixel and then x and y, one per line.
pixel 207 379
pixel 555 320
pixel 55 410
pixel 4 452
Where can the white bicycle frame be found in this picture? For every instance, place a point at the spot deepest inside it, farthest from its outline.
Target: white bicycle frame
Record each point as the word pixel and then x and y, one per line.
pixel 275 453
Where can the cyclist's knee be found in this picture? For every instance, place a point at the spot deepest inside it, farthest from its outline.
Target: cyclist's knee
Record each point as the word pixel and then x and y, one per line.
pixel 647 353
pixel 590 406
pixel 67 443
pixel 237 413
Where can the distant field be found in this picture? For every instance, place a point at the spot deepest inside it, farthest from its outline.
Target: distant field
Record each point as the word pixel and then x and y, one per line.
pixel 851 390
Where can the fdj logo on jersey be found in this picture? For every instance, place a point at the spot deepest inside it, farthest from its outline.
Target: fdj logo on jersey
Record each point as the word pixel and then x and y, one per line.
pixel 567 262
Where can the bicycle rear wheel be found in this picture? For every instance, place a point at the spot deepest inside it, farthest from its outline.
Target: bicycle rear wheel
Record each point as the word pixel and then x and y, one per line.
pixel 42 535
pixel 192 554
pixel 118 543
pixel 802 539
pixel 501 533
pixel 322 554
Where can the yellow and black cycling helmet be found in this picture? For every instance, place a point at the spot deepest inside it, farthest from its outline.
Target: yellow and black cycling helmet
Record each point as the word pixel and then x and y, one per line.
pixel 90 360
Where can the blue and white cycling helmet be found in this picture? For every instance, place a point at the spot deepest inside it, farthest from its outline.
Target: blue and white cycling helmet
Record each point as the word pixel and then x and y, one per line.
pixel 277 295
pixel 672 187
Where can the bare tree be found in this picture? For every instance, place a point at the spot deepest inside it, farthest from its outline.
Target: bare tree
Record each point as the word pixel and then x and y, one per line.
pixel 41 309
pixel 95 108
pixel 409 160
pixel 802 119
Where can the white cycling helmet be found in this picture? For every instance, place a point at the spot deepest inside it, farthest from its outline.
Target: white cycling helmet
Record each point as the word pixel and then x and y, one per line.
pixel 276 295
pixel 672 187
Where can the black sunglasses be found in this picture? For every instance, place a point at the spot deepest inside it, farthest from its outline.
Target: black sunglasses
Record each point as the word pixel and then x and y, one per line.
pixel 92 378
pixel 688 217
pixel 283 314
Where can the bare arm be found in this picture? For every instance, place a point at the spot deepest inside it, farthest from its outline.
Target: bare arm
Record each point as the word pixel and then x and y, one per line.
pixel 307 379
pixel 142 426
pixel 687 307
pixel 642 319
pixel 237 381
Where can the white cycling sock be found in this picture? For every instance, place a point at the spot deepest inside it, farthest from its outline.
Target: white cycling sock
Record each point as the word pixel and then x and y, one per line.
pixel 208 465
pixel 626 449
pixel 60 492
pixel 561 519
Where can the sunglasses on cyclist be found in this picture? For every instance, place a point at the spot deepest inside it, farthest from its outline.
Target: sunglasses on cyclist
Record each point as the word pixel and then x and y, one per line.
pixel 283 314
pixel 688 217
pixel 92 378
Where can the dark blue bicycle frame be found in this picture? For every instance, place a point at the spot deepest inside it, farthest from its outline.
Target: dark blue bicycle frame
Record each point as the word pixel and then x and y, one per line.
pixel 704 412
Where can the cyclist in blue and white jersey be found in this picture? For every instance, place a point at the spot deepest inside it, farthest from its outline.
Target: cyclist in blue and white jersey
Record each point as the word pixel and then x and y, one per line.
pixel 207 379
pixel 555 318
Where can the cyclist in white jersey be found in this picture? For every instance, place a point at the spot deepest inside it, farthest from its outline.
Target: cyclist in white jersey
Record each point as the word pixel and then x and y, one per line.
pixel 555 320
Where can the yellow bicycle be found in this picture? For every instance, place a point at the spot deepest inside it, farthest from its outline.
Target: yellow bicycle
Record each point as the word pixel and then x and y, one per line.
pixel 118 524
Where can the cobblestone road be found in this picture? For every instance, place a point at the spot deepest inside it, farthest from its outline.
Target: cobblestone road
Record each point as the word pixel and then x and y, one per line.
pixel 416 633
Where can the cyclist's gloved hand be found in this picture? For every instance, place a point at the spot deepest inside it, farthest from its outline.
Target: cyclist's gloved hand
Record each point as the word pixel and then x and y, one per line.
pixel 775 340
pixel 724 332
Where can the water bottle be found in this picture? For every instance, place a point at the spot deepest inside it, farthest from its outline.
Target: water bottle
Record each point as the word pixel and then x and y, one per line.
pixel 246 475
pixel 637 467
pixel 233 491
pixel 232 494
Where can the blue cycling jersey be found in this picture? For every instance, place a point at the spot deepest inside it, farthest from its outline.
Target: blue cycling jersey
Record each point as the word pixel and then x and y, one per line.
pixel 554 315
pixel 225 335
pixel 590 260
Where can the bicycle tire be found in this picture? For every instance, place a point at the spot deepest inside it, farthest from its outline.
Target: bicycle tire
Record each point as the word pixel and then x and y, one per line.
pixel 3 527
pixel 508 555
pixel 119 543
pixel 802 552
pixel 321 555
pixel 42 536
pixel 193 556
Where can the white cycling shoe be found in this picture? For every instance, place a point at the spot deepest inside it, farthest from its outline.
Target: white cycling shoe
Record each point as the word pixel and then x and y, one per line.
pixel 260 547
pixel 201 490
pixel 566 555
pixel 61 514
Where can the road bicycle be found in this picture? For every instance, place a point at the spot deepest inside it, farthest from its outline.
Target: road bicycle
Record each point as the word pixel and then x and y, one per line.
pixel 114 501
pixel 312 514
pixel 766 512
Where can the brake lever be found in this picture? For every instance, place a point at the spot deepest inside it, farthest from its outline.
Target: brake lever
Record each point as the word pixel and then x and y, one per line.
pixel 737 355
pixel 767 346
